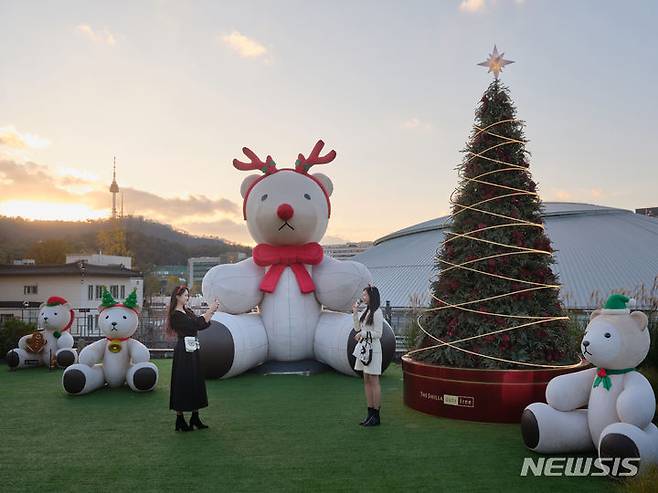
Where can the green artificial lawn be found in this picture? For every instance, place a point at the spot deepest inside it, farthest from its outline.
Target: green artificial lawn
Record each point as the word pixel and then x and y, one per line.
pixel 267 433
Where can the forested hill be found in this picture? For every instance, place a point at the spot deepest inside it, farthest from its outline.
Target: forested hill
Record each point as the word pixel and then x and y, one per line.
pixel 149 242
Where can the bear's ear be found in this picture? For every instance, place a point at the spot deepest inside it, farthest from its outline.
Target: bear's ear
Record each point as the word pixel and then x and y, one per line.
pixel 640 319
pixel 595 314
pixel 326 182
pixel 246 184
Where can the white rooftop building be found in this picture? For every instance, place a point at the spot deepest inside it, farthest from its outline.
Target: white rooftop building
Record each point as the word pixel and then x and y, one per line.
pixel 599 250
pixel 100 259
pixel 344 251
pixel 24 287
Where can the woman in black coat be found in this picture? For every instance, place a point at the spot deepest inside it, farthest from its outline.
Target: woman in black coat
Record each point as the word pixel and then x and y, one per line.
pixel 188 386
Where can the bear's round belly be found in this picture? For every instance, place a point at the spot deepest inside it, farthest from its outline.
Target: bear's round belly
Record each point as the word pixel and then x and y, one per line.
pixel 602 407
pixel 290 319
pixel 50 349
pixel 115 366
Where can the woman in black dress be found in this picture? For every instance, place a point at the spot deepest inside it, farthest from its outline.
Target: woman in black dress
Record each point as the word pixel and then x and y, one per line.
pixel 188 387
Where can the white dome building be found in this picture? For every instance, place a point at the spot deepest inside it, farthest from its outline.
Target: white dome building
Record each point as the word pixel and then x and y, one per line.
pixel 599 250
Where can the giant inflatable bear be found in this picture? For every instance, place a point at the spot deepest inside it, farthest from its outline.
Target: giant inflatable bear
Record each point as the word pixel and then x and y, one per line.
pixel 116 358
pixel 620 401
pixel 52 344
pixel 302 295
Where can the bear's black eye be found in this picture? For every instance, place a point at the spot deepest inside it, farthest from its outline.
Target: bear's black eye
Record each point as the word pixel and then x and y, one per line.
pixel 264 198
pixel 106 317
pixel 607 335
pixel 125 318
pixel 307 196
pixel 55 313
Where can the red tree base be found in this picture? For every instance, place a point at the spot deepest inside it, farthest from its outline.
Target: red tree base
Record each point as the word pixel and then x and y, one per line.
pixel 494 396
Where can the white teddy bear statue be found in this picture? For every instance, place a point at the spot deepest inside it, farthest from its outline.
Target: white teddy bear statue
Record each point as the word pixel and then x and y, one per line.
pixel 52 344
pixel 117 358
pixel 620 401
pixel 301 294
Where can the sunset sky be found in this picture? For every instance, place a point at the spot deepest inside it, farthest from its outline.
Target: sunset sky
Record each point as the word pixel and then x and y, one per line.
pixel 174 90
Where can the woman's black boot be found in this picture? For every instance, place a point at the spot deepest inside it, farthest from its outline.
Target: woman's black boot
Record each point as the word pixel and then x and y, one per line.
pixel 181 425
pixel 195 421
pixel 374 419
pixel 370 412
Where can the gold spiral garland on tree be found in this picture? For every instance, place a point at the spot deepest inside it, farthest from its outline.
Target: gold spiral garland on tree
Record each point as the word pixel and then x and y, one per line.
pixel 517 250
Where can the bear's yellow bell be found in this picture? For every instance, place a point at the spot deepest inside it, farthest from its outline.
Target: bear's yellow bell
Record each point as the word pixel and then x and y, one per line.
pixel 114 347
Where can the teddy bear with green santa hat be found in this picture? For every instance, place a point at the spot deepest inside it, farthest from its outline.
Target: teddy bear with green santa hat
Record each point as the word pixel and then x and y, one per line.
pixel 620 402
pixel 117 358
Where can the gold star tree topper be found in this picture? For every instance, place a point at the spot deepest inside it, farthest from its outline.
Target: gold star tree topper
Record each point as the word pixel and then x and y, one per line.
pixel 495 62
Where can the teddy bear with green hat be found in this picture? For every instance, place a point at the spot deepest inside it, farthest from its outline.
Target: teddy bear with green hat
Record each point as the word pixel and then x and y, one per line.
pixel 117 358
pixel 617 422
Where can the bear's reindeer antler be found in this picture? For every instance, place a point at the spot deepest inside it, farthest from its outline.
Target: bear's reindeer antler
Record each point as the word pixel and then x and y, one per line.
pixel 267 167
pixel 303 165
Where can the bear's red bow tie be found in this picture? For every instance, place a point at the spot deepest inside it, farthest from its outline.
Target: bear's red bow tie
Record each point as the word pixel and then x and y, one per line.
pixel 279 257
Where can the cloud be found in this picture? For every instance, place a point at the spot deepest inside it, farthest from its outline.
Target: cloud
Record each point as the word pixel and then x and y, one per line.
pixel 171 208
pixel 75 180
pixel 10 137
pixel 34 182
pixel 478 6
pixel 411 123
pixel 472 6
pixel 243 45
pixel 29 181
pixel 596 193
pixel 103 36
pixel 576 195
pixel 415 123
pixel 562 195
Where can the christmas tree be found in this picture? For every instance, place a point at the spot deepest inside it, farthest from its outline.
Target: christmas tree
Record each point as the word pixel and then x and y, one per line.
pixel 495 301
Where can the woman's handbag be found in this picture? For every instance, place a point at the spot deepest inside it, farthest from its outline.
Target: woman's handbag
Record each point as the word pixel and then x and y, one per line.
pixel 363 349
pixel 191 344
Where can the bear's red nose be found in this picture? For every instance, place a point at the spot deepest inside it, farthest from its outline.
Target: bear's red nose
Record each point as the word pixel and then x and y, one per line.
pixel 285 211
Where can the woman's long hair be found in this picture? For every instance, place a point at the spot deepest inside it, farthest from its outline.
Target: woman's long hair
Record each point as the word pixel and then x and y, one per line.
pixel 173 303
pixel 373 305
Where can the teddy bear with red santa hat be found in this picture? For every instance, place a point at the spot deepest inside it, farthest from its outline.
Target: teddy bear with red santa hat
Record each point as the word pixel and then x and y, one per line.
pixel 52 343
